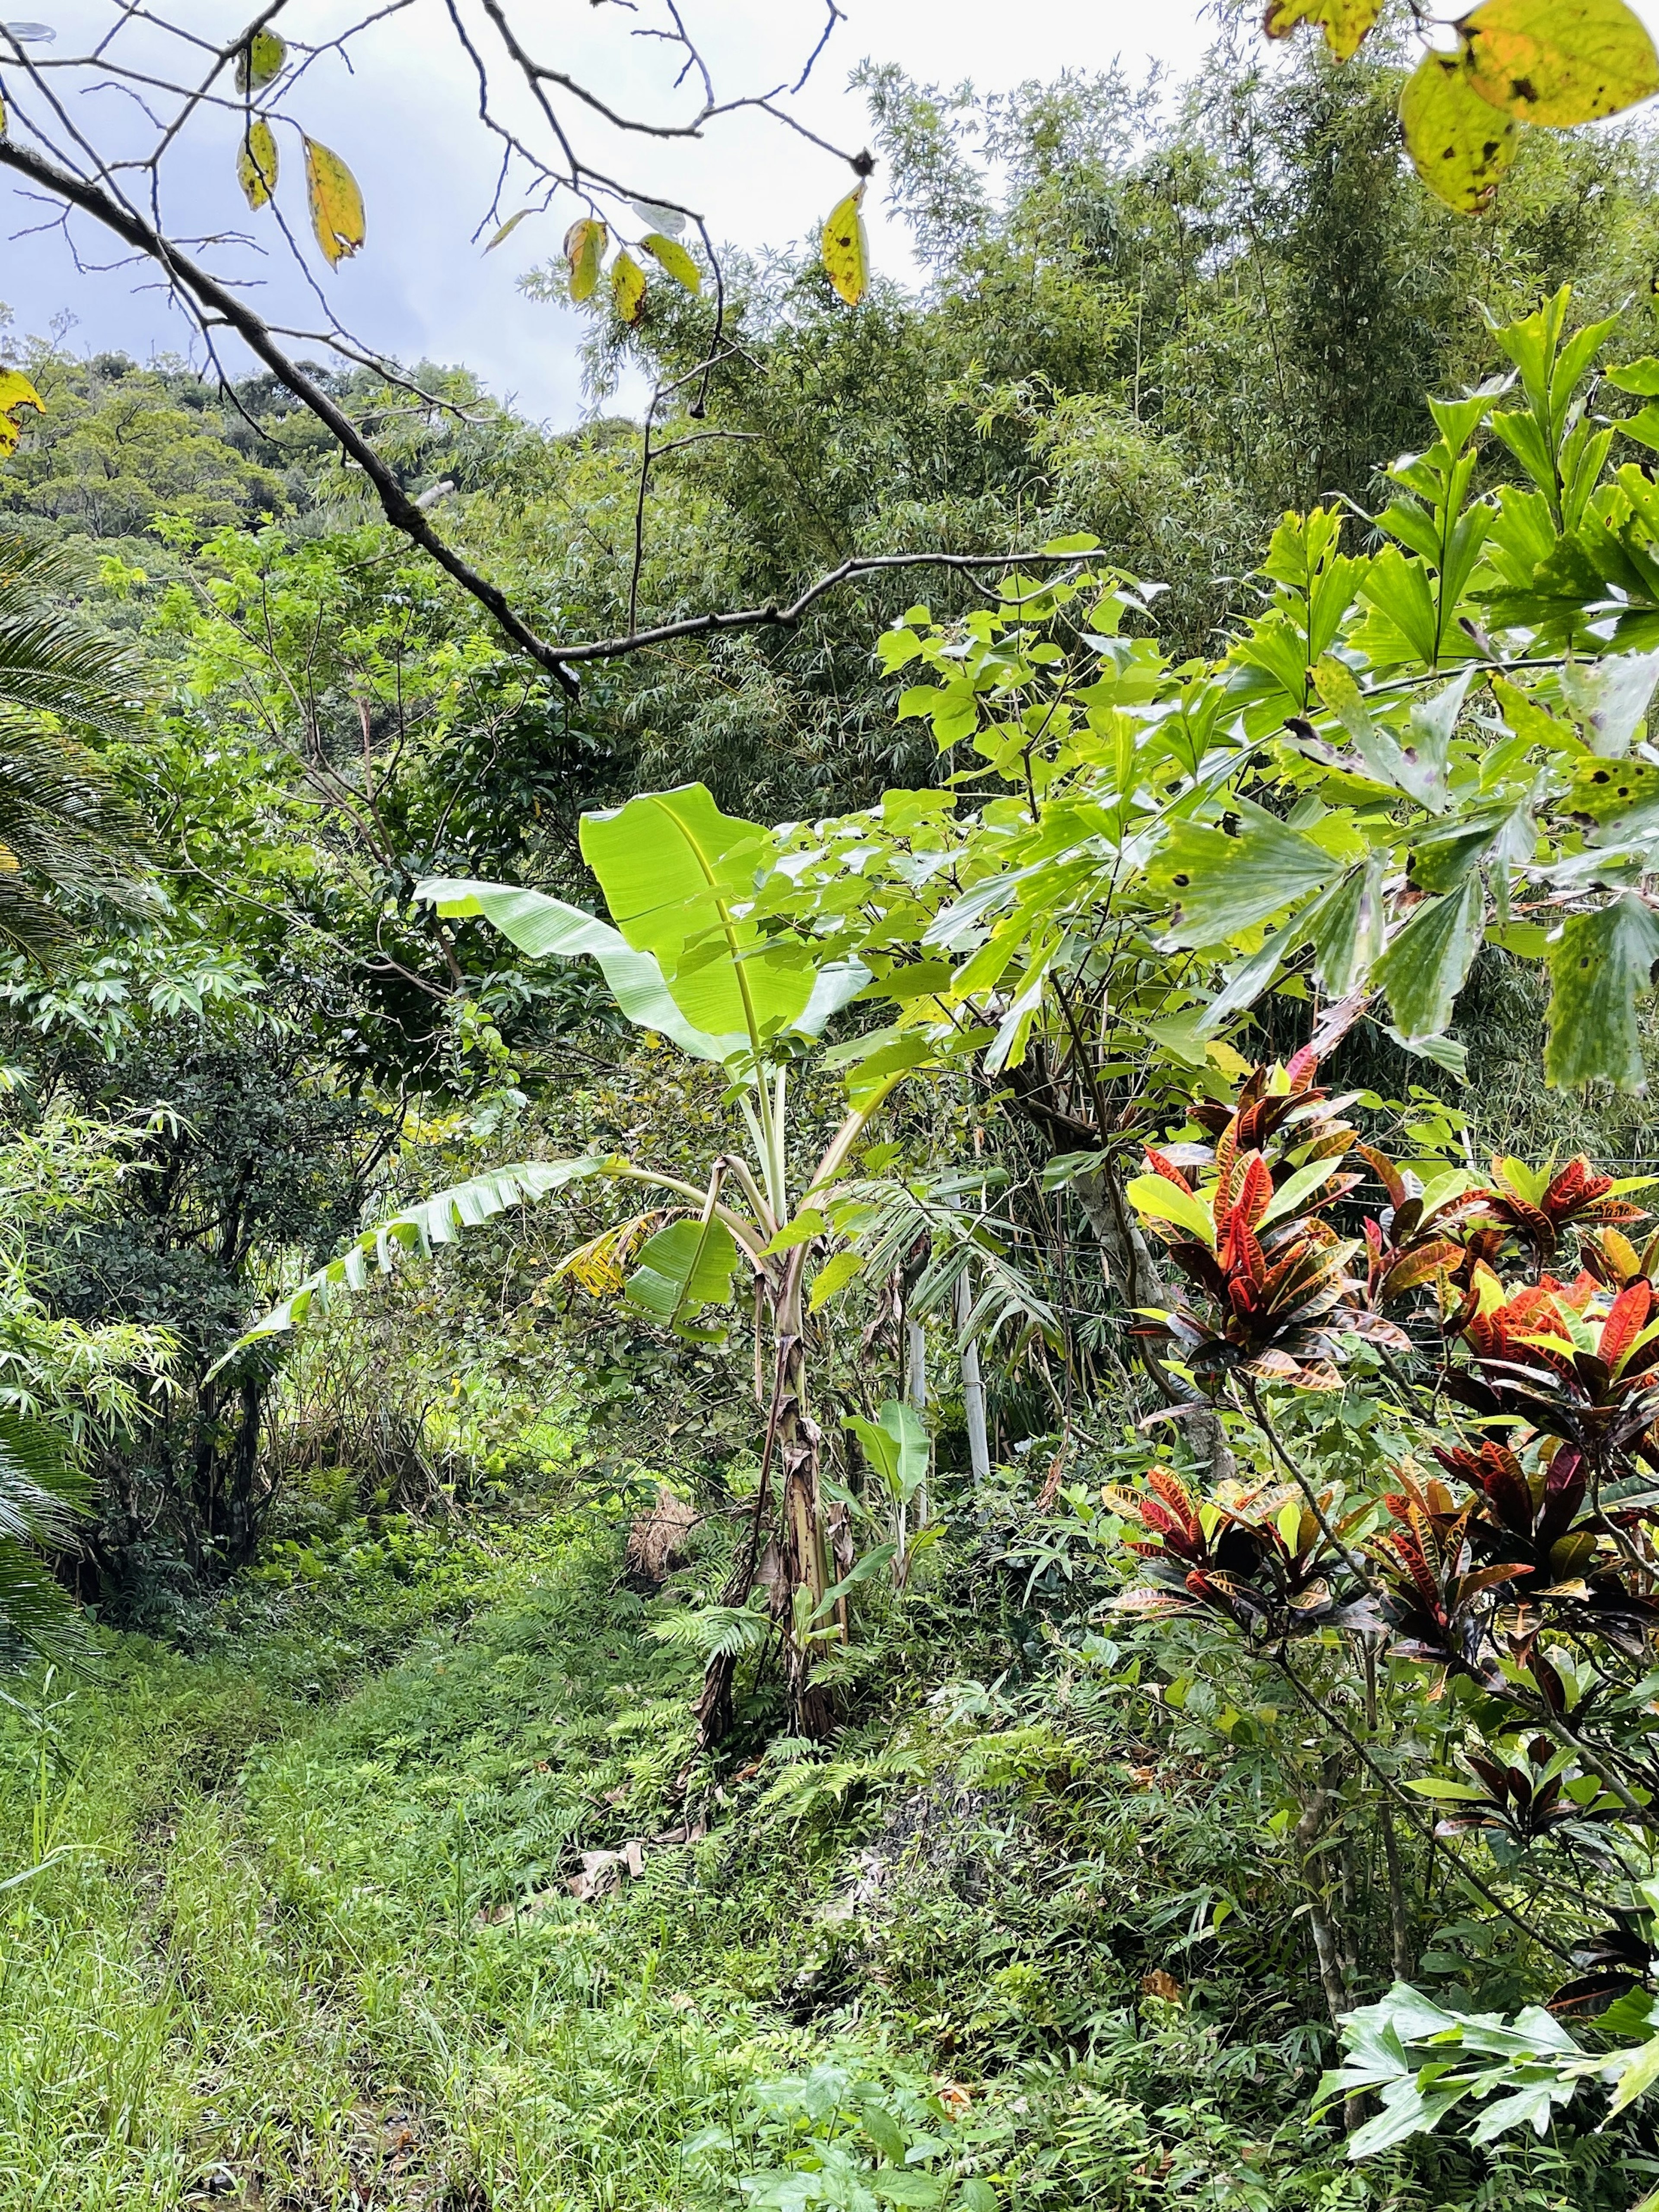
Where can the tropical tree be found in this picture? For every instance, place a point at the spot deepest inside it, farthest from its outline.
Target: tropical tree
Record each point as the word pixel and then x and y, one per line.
pixel 686 959
pixel 65 829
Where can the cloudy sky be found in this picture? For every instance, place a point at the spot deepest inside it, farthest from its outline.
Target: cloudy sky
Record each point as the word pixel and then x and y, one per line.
pixel 402 113
pixel 405 119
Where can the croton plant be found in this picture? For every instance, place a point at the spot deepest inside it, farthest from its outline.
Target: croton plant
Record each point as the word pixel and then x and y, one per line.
pixel 1518 1320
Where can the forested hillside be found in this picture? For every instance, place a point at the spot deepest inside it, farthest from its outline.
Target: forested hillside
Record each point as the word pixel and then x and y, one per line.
pixel 858 1407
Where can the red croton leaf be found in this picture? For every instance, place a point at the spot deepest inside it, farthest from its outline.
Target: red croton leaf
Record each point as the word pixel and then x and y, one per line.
pixel 1628 1317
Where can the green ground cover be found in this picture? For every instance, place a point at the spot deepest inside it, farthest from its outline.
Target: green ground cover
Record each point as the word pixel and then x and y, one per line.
pixel 304 1935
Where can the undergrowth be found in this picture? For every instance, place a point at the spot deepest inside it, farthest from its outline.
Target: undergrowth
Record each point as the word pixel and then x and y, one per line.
pixel 304 1933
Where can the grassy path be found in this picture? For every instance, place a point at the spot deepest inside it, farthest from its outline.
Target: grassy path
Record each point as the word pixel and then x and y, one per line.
pixel 273 1968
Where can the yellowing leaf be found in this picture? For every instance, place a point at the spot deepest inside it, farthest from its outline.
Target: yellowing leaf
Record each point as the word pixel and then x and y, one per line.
pixel 846 248
pixel 256 163
pixel 259 59
pixel 15 392
pixel 1459 144
pixel 668 253
pixel 1558 62
pixel 1345 23
pixel 336 205
pixel 833 1276
pixel 507 228
pixel 584 250
pixel 628 287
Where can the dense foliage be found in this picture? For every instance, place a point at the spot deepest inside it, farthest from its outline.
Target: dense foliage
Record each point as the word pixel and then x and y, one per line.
pixel 935 1333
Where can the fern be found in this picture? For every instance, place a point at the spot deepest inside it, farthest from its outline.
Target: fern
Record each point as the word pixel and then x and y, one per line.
pixel 714 1632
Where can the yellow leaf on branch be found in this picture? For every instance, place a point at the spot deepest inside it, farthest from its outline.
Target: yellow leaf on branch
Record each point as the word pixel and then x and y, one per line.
pixel 15 392
pixel 1345 23
pixel 1558 62
pixel 336 205
pixel 584 250
pixel 628 287
pixel 258 60
pixel 669 254
pixel 256 163
pixel 846 249
pixel 1459 144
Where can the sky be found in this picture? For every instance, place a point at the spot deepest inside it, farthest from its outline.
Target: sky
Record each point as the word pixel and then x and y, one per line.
pixel 405 120
pixel 403 111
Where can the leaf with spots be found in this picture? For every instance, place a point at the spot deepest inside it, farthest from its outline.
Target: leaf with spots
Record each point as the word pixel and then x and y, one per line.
pixel 1459 144
pixel 628 288
pixel 846 249
pixel 259 60
pixel 256 163
pixel 584 250
pixel 336 205
pixel 1558 62
pixel 669 254
pixel 1602 790
pixel 1598 968
pixel 15 392
pixel 1346 23
pixel 1219 886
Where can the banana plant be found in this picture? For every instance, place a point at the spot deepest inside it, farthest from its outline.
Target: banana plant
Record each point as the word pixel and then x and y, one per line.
pixel 686 958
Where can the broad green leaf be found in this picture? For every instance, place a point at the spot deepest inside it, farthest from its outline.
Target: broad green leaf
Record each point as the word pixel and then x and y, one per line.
pixel 894 1445
pixel 669 255
pixel 1459 144
pixel 678 876
pixel 1406 2111
pixel 256 163
pixel 1640 2073
pixel 15 392
pixel 336 205
pixel 546 928
pixel 584 250
pixel 1598 969
pixel 1423 968
pixel 439 1219
pixel 1348 927
pixel 1219 886
pixel 259 59
pixel 910 2186
pixel 628 287
pixel 1558 62
pixel 682 1268
pixel 1399 588
pixel 1345 23
pixel 1295 1190
pixel 835 1276
pixel 1156 1196
pixel 846 249
pixel 1527 719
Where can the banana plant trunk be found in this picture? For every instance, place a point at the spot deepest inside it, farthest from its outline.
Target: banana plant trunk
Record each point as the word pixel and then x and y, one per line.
pixel 792 1442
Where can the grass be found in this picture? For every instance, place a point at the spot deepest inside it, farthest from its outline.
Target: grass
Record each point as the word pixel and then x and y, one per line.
pixel 304 1937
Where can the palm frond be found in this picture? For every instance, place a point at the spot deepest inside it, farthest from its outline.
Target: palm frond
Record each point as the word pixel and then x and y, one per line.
pixel 439 1219
pixel 959 1239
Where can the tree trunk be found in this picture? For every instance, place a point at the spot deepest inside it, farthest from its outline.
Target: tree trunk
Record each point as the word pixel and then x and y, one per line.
pixel 792 1442
pixel 1129 1264
pixel 973 1387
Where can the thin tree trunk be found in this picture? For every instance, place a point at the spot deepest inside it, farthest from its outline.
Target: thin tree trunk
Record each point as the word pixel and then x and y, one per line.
pixel 915 1389
pixel 1130 1266
pixel 1400 1937
pixel 973 1387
